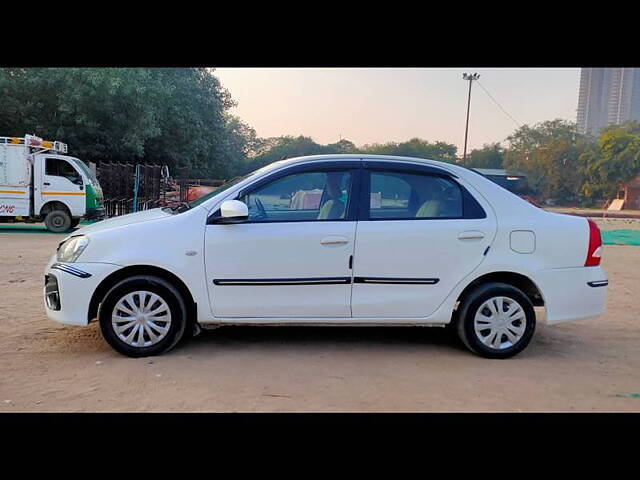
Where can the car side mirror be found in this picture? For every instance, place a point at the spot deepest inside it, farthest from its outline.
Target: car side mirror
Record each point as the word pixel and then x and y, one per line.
pixel 233 211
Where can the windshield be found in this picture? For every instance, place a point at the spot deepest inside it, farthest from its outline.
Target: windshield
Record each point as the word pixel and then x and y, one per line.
pixel 221 188
pixel 230 183
pixel 86 170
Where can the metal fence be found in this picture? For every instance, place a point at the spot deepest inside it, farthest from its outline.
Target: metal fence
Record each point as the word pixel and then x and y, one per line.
pixel 182 176
pixel 131 187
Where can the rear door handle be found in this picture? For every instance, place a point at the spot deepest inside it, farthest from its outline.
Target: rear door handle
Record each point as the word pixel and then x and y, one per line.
pixel 46 183
pixel 471 235
pixel 334 241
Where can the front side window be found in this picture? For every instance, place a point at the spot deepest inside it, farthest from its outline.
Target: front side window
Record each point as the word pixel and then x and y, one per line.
pixel 307 196
pixel 61 168
pixel 405 196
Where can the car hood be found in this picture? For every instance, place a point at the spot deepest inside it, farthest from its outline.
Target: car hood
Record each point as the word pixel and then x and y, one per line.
pixel 144 216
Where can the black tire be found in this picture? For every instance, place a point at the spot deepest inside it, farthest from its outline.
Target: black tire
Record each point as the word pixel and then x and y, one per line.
pixel 75 222
pixel 167 292
pixel 58 221
pixel 469 307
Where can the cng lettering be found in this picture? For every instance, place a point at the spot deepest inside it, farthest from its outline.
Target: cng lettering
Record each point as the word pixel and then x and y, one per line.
pixel 7 208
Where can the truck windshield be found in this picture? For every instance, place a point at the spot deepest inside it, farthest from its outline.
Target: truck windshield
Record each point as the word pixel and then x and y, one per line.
pixel 86 170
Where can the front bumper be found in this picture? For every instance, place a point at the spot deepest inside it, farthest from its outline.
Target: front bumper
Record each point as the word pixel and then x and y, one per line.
pixel 573 293
pixel 69 288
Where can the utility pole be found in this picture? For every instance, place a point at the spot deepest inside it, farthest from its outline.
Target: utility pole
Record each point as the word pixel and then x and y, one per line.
pixel 470 77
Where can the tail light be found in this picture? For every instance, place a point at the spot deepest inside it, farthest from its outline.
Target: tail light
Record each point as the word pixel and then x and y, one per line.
pixel 594 253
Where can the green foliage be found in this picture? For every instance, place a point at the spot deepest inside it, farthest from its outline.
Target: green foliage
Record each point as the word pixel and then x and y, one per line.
pixel 176 116
pixel 631 126
pixel 277 148
pixel 489 156
pixel 180 117
pixel 549 154
pixel 268 150
pixel 612 161
pixel 416 147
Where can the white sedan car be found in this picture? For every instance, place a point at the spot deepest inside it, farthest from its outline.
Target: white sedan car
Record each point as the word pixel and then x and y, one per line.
pixel 333 240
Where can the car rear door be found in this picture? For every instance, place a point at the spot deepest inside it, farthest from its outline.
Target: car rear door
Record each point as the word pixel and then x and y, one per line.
pixel 420 232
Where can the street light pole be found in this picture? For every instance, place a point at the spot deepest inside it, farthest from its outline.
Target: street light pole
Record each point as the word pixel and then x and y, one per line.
pixel 470 77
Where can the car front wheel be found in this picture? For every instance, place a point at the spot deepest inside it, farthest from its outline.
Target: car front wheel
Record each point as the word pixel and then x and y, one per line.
pixel 496 320
pixel 143 316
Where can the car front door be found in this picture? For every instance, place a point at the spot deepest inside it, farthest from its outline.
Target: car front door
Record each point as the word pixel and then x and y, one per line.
pixel 291 258
pixel 419 234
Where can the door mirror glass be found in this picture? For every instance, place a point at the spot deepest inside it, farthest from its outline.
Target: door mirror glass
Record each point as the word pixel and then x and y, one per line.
pixel 233 211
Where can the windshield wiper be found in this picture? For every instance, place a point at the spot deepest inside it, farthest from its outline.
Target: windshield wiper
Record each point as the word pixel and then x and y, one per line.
pixel 177 208
pixel 182 207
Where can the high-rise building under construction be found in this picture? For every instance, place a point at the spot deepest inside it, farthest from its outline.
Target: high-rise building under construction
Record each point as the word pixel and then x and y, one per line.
pixel 608 96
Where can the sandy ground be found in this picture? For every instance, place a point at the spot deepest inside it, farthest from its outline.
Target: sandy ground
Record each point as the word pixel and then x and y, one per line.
pixel 47 367
pixel 617 223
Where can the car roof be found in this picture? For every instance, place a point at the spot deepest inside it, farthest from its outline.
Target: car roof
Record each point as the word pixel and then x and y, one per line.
pixel 360 156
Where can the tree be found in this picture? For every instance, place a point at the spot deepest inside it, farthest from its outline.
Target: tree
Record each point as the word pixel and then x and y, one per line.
pixel 549 154
pixel 276 148
pixel 489 156
pixel 173 116
pixel 415 147
pixel 613 161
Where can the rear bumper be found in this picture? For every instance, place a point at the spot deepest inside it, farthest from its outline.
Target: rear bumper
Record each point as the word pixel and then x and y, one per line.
pixel 573 293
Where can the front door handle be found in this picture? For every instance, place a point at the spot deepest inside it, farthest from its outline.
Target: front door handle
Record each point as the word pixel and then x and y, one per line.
pixel 46 183
pixel 334 241
pixel 471 235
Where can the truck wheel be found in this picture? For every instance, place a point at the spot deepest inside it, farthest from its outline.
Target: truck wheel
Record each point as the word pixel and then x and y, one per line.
pixel 57 221
pixel 143 316
pixel 496 320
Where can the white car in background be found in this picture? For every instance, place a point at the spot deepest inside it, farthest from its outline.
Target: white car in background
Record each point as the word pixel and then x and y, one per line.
pixel 333 240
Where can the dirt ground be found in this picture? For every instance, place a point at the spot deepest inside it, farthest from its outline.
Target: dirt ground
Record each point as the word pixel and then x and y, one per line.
pixel 581 366
pixel 617 223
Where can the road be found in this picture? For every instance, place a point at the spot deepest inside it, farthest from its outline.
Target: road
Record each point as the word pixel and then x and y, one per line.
pixel 46 367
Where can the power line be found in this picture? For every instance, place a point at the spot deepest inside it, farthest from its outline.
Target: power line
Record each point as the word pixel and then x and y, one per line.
pixel 498 104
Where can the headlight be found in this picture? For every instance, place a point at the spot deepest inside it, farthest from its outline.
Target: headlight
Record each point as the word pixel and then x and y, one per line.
pixel 70 250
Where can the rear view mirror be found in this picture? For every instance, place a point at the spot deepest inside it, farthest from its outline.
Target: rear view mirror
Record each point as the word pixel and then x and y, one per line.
pixel 233 211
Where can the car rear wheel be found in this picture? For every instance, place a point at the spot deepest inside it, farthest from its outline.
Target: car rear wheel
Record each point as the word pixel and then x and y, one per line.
pixel 496 320
pixel 143 316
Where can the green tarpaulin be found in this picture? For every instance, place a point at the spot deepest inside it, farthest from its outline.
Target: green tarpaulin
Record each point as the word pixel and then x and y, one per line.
pixel 621 237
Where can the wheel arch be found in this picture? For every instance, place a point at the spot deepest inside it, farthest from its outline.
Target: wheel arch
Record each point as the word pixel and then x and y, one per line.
pixel 518 280
pixel 129 271
pixel 54 205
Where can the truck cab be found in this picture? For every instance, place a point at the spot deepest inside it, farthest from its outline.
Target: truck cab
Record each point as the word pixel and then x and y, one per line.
pixel 38 182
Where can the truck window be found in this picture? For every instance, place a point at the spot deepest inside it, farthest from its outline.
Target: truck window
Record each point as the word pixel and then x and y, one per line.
pixel 61 168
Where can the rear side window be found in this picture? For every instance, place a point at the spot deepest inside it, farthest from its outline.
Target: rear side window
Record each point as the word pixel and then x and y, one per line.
pixel 408 196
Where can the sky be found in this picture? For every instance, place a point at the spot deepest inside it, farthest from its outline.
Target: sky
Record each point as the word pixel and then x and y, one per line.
pixel 379 105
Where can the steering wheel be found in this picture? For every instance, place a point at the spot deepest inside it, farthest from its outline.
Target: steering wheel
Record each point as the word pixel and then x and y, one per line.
pixel 262 213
